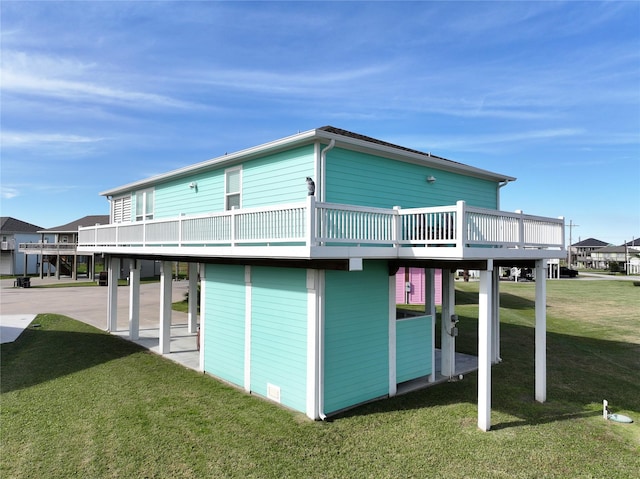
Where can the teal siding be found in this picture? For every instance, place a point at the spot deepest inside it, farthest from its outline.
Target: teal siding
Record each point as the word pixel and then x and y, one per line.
pixel 277 179
pixel 357 178
pixel 175 197
pixel 224 330
pixel 413 348
pixel 279 333
pixel 356 352
pixel 273 179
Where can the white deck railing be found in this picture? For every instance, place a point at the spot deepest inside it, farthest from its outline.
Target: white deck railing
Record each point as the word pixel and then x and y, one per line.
pixel 327 224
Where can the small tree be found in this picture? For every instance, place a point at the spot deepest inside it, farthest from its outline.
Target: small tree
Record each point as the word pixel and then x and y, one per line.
pixel 614 267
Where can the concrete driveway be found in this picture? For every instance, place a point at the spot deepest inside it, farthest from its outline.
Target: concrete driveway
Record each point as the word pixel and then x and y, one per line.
pixel 83 303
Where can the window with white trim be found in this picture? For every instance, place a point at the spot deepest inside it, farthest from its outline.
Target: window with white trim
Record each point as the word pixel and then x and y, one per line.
pixel 233 188
pixel 144 205
pixel 121 209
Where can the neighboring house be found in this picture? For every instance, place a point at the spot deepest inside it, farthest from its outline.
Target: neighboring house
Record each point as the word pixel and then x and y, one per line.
pixel 59 255
pixel 412 287
pixel 581 252
pixel 298 242
pixel 13 232
pixel 626 256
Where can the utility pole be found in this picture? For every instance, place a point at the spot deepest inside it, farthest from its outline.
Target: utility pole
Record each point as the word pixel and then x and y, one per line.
pixel 570 226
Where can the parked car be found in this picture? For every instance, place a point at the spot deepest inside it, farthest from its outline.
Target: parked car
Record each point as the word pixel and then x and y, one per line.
pixel 567 272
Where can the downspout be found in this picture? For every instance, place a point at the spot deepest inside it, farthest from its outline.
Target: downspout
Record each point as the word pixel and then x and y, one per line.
pixel 501 185
pixel 320 350
pixel 323 160
pixel 320 310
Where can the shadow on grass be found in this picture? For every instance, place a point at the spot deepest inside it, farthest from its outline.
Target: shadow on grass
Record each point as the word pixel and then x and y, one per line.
pixel 507 300
pixel 581 372
pixel 56 347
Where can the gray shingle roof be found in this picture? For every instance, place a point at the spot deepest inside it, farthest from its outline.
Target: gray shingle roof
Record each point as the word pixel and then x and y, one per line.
pixel 72 227
pixel 13 225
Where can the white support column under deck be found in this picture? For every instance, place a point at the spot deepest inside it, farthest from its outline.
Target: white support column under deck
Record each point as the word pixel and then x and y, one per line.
pixel 313 346
pixel 541 331
pixel 495 317
pixel 134 300
pixel 202 344
pixel 447 338
pixel 484 347
pixel 113 272
pixel 248 298
pixel 430 309
pixel 192 308
pixel 164 345
pixel 393 377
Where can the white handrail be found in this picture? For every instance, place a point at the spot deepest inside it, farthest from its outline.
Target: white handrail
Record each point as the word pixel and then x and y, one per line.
pixel 313 223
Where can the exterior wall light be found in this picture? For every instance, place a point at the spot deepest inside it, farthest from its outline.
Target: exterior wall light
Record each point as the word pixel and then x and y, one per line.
pixel 193 185
pixel 431 179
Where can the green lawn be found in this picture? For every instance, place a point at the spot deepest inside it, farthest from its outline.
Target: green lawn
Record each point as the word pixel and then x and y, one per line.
pixel 77 402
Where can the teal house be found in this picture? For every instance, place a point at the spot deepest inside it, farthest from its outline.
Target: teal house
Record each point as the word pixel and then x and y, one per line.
pixel 296 244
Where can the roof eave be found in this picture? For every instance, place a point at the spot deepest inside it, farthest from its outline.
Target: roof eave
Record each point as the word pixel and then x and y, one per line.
pixel 308 137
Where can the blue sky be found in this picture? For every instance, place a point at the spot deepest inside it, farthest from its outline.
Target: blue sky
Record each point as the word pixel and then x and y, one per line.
pixel 98 94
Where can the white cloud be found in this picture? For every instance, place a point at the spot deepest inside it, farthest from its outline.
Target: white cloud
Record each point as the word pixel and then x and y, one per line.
pixel 72 80
pixel 18 139
pixel 8 192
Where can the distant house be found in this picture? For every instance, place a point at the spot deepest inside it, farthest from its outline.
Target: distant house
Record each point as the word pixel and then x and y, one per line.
pixel 58 255
pixel 581 252
pixel 626 257
pixel 298 243
pixel 13 231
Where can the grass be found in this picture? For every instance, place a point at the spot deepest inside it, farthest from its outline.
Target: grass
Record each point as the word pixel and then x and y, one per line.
pixel 77 402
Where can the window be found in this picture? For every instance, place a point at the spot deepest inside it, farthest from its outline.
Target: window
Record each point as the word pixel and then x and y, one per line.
pixel 144 205
pixel 121 209
pixel 232 190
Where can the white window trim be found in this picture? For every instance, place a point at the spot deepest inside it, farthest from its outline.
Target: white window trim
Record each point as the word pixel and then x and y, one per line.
pixel 145 216
pixel 226 194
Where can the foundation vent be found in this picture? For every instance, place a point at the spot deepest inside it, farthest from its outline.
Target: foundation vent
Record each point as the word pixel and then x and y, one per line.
pixel 273 392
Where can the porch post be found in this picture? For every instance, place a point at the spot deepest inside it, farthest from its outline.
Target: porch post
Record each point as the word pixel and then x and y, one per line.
pixel 112 293
pixel 192 307
pixel 495 317
pixel 313 409
pixel 165 308
pixel 447 340
pixel 430 309
pixel 58 265
pixel 484 347
pixel 541 331
pixel 393 378
pixel 134 300
pixel 248 327
pixel 203 316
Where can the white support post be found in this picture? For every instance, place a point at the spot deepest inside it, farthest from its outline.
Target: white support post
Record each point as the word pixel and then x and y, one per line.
pixel 393 379
pixel 484 347
pixel 203 317
pixel 430 309
pixel 313 345
pixel 134 300
pixel 495 317
pixel 192 307
pixel 248 299
pixel 112 293
pixel 164 345
pixel 447 339
pixel 311 221
pixel 541 331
